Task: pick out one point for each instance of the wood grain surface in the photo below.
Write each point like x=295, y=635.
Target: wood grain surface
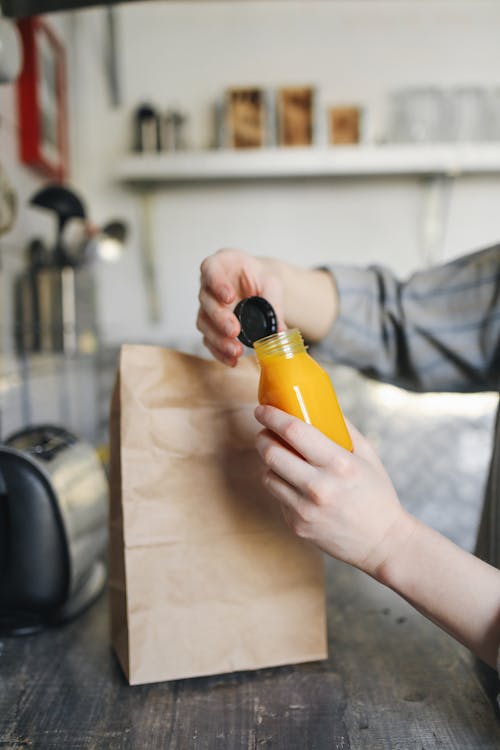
x=393, y=681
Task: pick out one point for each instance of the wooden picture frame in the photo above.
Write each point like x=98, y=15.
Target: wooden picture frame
x=246, y=117
x=344, y=125
x=42, y=100
x=296, y=119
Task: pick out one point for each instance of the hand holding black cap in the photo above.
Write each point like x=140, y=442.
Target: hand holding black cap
x=257, y=319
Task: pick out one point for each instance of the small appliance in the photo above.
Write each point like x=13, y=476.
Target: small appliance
x=53, y=528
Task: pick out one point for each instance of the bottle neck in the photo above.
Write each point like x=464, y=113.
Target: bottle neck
x=283, y=344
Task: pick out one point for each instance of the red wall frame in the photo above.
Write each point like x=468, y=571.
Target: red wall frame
x=42, y=100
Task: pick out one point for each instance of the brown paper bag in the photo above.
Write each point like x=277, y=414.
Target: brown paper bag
x=205, y=577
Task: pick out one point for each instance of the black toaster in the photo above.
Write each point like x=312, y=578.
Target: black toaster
x=53, y=528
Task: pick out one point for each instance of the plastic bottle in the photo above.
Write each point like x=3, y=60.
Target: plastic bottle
x=290, y=378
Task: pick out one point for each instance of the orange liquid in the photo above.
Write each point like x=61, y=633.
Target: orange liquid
x=298, y=385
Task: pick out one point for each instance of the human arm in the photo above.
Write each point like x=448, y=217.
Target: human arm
x=345, y=504
x=303, y=298
x=437, y=330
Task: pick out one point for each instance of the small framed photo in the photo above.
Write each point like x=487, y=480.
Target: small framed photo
x=42, y=100
x=296, y=116
x=246, y=118
x=344, y=125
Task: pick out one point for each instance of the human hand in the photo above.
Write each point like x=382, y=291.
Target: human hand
x=343, y=502
x=226, y=277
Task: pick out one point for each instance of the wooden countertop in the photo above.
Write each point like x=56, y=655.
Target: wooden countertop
x=393, y=681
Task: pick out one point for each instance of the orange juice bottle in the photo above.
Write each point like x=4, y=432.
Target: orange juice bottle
x=290, y=378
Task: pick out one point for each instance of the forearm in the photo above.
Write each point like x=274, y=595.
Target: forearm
x=437, y=330
x=310, y=298
x=451, y=587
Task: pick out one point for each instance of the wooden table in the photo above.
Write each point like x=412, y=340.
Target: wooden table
x=393, y=682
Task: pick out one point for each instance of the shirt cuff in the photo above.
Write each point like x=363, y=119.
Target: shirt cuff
x=352, y=339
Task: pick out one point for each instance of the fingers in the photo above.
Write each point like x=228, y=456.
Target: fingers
x=293, y=505
x=214, y=279
x=230, y=347
x=216, y=320
x=224, y=349
x=285, y=463
x=226, y=359
x=219, y=327
x=226, y=277
x=315, y=447
x=220, y=317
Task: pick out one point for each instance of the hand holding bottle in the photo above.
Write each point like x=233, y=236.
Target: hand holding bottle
x=343, y=502
x=227, y=277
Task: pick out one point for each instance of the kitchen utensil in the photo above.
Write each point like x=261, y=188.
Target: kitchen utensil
x=56, y=310
x=147, y=129
x=66, y=204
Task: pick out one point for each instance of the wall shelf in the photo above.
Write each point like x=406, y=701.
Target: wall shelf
x=340, y=161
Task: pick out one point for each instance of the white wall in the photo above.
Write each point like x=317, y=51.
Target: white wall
x=185, y=54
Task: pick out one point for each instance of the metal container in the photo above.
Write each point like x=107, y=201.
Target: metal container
x=56, y=310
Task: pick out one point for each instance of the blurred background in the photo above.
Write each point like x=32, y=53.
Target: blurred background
x=315, y=131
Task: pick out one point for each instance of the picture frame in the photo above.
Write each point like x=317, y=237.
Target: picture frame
x=246, y=117
x=344, y=125
x=42, y=100
x=296, y=116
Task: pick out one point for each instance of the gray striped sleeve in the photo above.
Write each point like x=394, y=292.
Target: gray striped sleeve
x=438, y=330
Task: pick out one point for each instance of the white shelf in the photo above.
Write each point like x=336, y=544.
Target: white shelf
x=339, y=161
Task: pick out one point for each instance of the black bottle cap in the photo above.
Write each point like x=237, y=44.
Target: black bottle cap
x=257, y=319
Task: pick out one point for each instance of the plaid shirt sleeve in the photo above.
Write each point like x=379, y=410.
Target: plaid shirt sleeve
x=438, y=330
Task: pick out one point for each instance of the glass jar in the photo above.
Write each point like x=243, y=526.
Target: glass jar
x=293, y=381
